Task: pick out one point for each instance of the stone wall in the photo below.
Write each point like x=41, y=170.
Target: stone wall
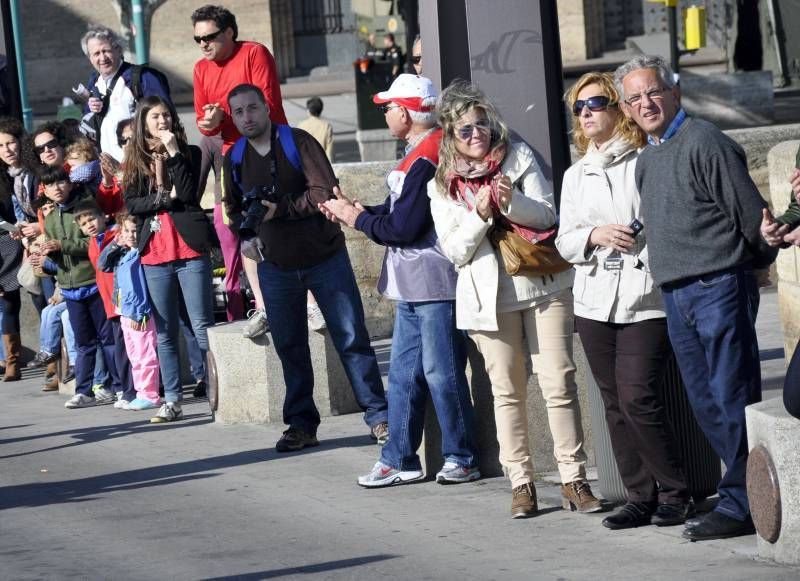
x=781, y=163
x=581, y=29
x=53, y=29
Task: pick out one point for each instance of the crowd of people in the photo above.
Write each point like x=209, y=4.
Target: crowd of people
x=657, y=247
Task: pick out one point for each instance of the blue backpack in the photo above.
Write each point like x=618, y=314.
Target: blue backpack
x=286, y=140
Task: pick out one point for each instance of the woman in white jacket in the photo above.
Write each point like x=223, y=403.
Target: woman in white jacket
x=618, y=312
x=485, y=178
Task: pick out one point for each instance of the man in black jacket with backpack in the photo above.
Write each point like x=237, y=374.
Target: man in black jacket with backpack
x=115, y=88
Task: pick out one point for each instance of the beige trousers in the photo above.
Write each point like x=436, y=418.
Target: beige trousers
x=548, y=329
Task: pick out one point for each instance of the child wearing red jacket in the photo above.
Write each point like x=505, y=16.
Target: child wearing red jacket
x=92, y=222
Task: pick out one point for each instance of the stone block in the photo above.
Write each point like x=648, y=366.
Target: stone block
x=333, y=393
x=237, y=371
x=376, y=145
x=773, y=480
x=789, y=308
x=737, y=99
x=541, y=441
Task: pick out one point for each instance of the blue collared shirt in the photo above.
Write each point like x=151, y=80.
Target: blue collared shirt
x=671, y=130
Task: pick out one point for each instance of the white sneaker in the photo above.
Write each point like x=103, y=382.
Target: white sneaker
x=383, y=475
x=103, y=395
x=169, y=412
x=79, y=401
x=121, y=404
x=256, y=324
x=316, y=322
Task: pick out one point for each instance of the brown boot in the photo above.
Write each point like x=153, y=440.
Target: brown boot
x=523, y=501
x=13, y=346
x=577, y=495
x=51, y=377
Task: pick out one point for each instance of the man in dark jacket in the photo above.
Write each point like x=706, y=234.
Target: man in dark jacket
x=702, y=213
x=297, y=250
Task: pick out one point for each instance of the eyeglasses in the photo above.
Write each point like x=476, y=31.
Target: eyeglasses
x=208, y=37
x=416, y=59
x=40, y=149
x=465, y=131
x=387, y=108
x=123, y=141
x=598, y=103
x=652, y=95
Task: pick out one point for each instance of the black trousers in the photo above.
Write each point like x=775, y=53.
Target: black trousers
x=628, y=362
x=791, y=385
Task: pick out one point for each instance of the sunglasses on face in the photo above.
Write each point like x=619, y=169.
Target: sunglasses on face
x=465, y=131
x=387, y=108
x=416, y=59
x=208, y=37
x=123, y=141
x=40, y=149
x=598, y=103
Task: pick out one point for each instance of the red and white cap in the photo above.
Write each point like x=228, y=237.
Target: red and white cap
x=410, y=91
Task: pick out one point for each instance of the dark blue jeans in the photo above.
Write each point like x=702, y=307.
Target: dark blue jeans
x=791, y=385
x=334, y=286
x=711, y=321
x=92, y=330
x=166, y=284
x=428, y=355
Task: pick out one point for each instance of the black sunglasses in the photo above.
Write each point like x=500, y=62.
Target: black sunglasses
x=598, y=103
x=416, y=59
x=40, y=149
x=466, y=131
x=208, y=37
x=123, y=141
x=387, y=108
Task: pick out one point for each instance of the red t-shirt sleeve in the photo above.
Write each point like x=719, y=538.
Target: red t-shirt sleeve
x=265, y=75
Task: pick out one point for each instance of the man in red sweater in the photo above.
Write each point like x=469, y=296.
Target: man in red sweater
x=226, y=63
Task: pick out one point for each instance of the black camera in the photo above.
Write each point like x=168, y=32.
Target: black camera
x=255, y=210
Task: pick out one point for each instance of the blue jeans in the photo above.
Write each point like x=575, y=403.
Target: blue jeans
x=193, y=279
x=428, y=355
x=711, y=321
x=93, y=334
x=334, y=286
x=50, y=329
x=196, y=357
x=69, y=337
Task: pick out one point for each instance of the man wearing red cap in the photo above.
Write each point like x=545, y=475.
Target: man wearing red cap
x=428, y=352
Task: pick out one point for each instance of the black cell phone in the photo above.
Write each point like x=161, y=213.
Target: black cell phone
x=636, y=226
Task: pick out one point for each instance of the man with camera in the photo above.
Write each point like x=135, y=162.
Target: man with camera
x=274, y=178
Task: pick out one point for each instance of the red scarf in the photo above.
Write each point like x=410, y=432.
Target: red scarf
x=469, y=176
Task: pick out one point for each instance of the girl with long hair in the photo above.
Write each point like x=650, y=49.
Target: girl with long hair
x=160, y=185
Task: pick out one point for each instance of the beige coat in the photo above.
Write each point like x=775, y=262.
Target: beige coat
x=463, y=238
x=320, y=130
x=591, y=196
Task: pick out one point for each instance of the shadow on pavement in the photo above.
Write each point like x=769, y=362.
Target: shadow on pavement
x=305, y=569
x=84, y=489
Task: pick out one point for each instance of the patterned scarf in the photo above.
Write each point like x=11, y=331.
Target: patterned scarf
x=22, y=190
x=469, y=176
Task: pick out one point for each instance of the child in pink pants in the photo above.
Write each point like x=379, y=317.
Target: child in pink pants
x=130, y=298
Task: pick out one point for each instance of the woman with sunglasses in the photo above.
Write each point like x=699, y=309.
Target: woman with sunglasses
x=18, y=187
x=485, y=179
x=619, y=314
x=174, y=238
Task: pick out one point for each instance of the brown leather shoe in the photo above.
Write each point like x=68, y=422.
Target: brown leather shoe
x=13, y=346
x=523, y=501
x=51, y=383
x=577, y=495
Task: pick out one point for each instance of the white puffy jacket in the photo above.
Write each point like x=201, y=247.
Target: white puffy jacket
x=463, y=239
x=595, y=193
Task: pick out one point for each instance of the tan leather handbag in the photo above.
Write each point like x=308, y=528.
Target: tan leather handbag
x=524, y=258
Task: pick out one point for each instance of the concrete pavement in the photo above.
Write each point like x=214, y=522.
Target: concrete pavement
x=100, y=493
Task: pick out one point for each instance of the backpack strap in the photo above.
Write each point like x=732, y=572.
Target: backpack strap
x=237, y=155
x=289, y=148
x=136, y=81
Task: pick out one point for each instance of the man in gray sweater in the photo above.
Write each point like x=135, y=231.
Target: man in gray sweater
x=702, y=214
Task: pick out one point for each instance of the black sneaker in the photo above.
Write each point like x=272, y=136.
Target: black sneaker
x=668, y=515
x=41, y=359
x=199, y=389
x=295, y=439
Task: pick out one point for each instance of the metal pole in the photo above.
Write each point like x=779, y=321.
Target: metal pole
x=141, y=34
x=16, y=24
x=674, y=53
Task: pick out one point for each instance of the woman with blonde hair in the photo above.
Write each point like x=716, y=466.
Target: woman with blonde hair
x=619, y=314
x=486, y=178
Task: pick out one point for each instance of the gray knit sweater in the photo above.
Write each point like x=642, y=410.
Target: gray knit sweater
x=700, y=209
